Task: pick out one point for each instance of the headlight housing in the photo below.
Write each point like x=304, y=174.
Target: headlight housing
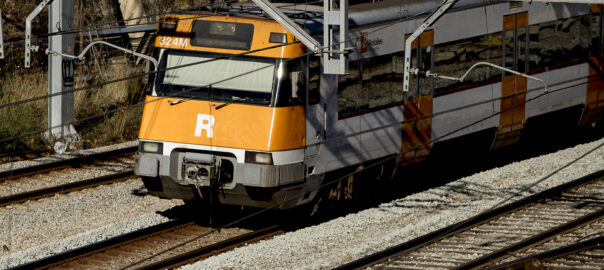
x=151, y=147
x=259, y=158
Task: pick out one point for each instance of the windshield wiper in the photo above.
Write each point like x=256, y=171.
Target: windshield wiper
x=244, y=99
x=222, y=105
x=177, y=102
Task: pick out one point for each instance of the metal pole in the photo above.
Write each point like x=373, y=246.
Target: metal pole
x=1, y=40
x=60, y=71
x=335, y=60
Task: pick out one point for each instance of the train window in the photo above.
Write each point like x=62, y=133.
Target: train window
x=314, y=79
x=542, y=45
x=559, y=43
x=515, y=42
x=413, y=88
x=206, y=75
x=596, y=31
x=508, y=49
x=425, y=63
x=372, y=84
x=294, y=74
x=573, y=39
x=585, y=40
x=349, y=90
x=225, y=35
x=290, y=88
x=277, y=38
x=595, y=27
x=455, y=58
x=378, y=82
x=522, y=40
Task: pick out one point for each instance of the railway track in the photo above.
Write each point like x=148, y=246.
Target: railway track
x=558, y=217
x=66, y=163
x=588, y=254
x=162, y=246
x=65, y=188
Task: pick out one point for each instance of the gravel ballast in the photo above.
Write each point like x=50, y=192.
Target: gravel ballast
x=40, y=228
x=66, y=175
x=37, y=229
x=356, y=235
x=70, y=154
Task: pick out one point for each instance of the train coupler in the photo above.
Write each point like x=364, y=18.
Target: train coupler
x=201, y=172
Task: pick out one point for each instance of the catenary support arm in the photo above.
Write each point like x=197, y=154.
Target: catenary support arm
x=28, y=47
x=290, y=25
x=408, y=43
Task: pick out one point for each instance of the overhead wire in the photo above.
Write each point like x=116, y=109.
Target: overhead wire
x=96, y=28
x=181, y=66
x=28, y=100
x=186, y=65
x=329, y=139
x=158, y=98
x=226, y=57
x=138, y=104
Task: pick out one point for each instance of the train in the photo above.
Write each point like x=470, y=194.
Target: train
x=242, y=112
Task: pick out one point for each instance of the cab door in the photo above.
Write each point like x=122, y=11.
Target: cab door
x=594, y=98
x=315, y=117
x=513, y=87
x=417, y=112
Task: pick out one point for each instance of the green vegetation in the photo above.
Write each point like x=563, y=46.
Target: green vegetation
x=101, y=65
x=20, y=119
x=97, y=131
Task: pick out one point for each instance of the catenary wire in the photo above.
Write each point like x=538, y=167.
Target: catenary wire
x=416, y=147
x=181, y=66
x=332, y=138
x=340, y=137
x=137, y=76
x=326, y=140
x=96, y=28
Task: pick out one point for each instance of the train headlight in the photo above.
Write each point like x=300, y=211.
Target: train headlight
x=258, y=157
x=151, y=147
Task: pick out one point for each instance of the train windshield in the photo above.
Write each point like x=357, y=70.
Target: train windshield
x=216, y=77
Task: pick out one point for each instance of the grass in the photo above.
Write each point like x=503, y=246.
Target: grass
x=17, y=83
x=107, y=129
x=23, y=118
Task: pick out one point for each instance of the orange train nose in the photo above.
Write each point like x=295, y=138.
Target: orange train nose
x=235, y=126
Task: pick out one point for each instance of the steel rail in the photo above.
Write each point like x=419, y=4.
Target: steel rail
x=59, y=258
x=139, y=235
x=217, y=248
x=419, y=242
x=595, y=242
x=488, y=259
x=65, y=188
x=66, y=163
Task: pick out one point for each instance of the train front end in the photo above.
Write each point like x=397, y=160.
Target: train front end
x=222, y=116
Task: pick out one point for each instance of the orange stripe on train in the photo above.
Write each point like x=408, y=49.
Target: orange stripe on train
x=235, y=125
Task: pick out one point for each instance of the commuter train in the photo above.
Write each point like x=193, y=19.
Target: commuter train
x=242, y=110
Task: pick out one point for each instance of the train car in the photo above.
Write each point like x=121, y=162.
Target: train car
x=242, y=110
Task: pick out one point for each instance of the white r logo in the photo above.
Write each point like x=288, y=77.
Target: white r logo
x=204, y=121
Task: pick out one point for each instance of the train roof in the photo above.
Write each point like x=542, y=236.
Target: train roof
x=311, y=15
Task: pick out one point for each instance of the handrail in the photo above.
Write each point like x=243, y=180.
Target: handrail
x=461, y=79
